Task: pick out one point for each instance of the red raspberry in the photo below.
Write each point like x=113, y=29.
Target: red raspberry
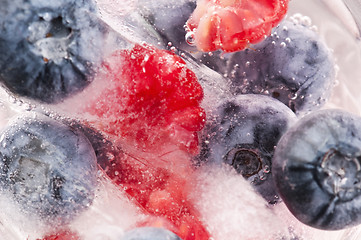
x=231, y=25
x=152, y=99
x=164, y=194
x=62, y=235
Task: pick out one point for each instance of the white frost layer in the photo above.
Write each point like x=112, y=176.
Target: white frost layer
x=232, y=210
x=110, y=215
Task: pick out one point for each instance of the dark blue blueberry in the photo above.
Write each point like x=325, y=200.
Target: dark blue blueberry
x=293, y=65
x=243, y=133
x=47, y=167
x=109, y=155
x=169, y=19
x=49, y=49
x=150, y=233
x=317, y=169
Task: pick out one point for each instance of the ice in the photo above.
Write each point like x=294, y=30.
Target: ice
x=345, y=45
x=110, y=215
x=215, y=86
x=232, y=210
x=123, y=17
x=227, y=204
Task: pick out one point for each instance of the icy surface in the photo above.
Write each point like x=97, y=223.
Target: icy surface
x=346, y=47
x=228, y=205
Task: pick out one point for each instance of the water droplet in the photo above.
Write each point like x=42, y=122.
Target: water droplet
x=283, y=44
x=292, y=96
x=110, y=156
x=306, y=21
x=190, y=38
x=262, y=177
x=314, y=28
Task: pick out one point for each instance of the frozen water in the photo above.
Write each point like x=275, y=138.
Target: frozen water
x=123, y=17
x=232, y=210
x=111, y=214
x=228, y=205
x=215, y=86
x=341, y=35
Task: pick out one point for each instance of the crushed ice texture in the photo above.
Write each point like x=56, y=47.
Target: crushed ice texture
x=227, y=203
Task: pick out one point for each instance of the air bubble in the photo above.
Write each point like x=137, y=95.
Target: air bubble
x=110, y=156
x=314, y=28
x=190, y=40
x=306, y=21
x=292, y=96
x=266, y=169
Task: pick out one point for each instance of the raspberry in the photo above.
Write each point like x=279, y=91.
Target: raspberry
x=62, y=235
x=164, y=194
x=152, y=99
x=231, y=25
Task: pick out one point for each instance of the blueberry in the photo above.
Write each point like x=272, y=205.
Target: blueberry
x=47, y=167
x=317, y=169
x=49, y=51
x=109, y=155
x=293, y=65
x=169, y=19
x=150, y=233
x=243, y=133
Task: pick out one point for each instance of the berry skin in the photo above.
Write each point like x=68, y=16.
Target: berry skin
x=231, y=25
x=292, y=65
x=152, y=100
x=48, y=168
x=49, y=51
x=62, y=235
x=162, y=192
x=316, y=168
x=108, y=155
x=150, y=233
x=243, y=133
